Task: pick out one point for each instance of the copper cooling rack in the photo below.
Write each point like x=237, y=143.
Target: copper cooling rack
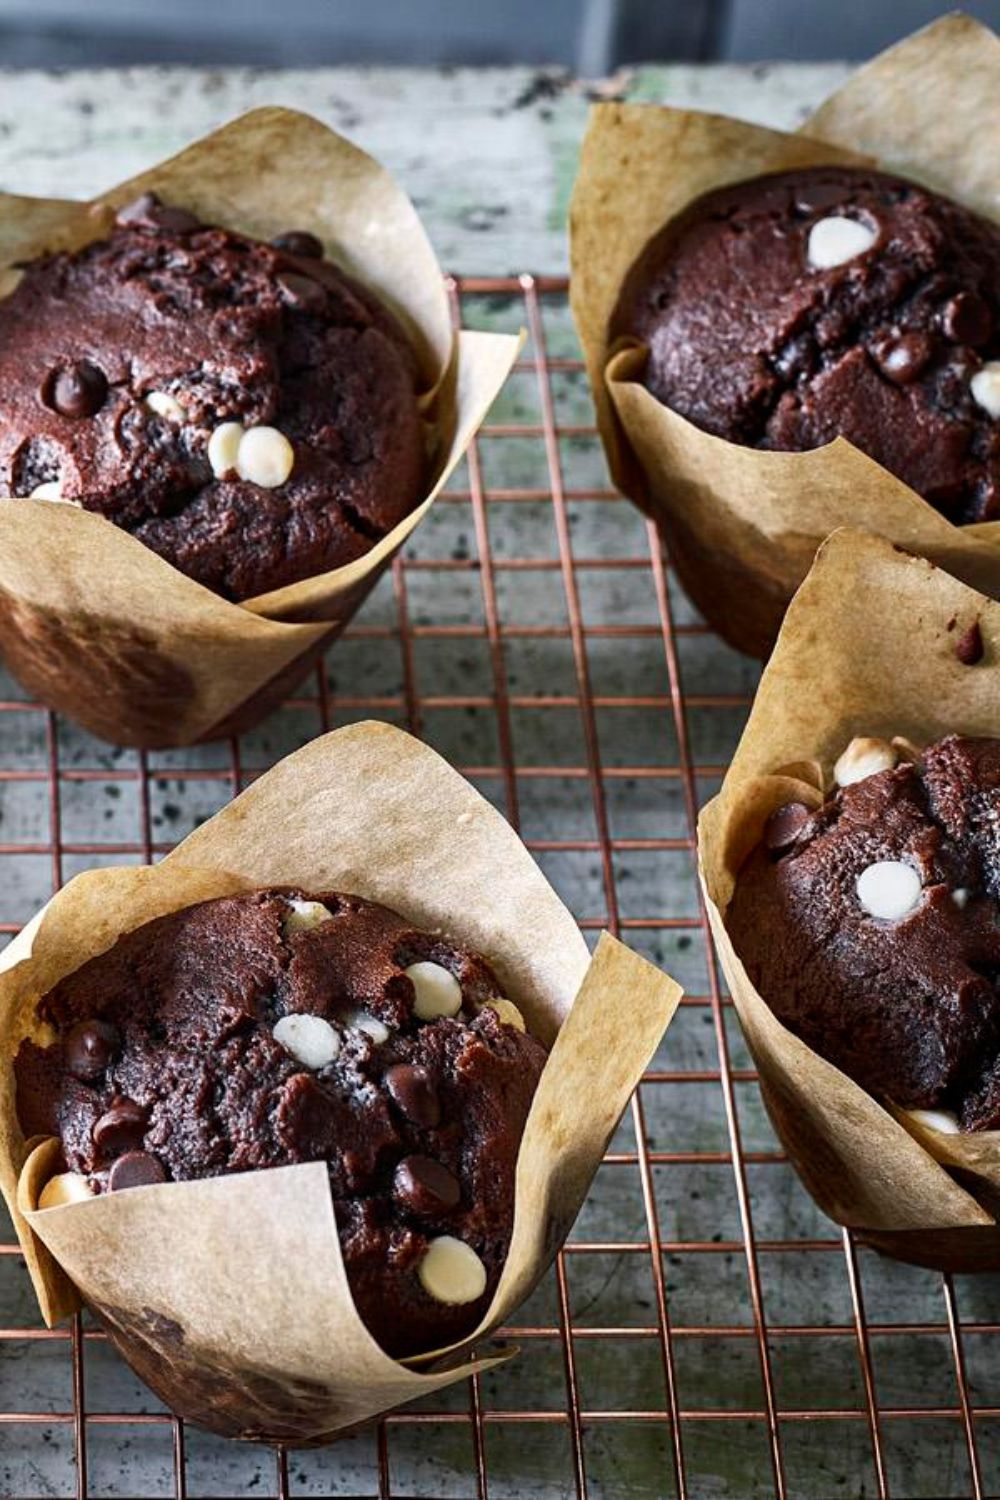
x=706, y=1332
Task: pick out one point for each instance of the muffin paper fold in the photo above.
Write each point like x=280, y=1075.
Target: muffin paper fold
x=742, y=524
x=867, y=648
x=228, y=1295
x=98, y=626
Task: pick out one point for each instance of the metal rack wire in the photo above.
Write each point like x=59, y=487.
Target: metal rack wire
x=898, y=1402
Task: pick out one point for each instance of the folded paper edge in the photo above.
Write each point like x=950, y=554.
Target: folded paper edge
x=626, y=470
x=837, y=553
x=290, y=637
x=611, y=963
x=504, y=349
x=610, y=960
x=619, y=375
x=202, y=872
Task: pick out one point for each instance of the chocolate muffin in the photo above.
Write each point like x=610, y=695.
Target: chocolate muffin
x=786, y=311
x=869, y=926
x=245, y=410
x=277, y=1027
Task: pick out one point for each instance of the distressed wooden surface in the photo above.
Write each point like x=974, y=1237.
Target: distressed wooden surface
x=489, y=158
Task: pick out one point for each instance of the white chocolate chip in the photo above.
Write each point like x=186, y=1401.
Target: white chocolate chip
x=50, y=491
x=438, y=992
x=507, y=1011
x=165, y=406
x=310, y=1040
x=451, y=1271
x=863, y=757
x=985, y=387
x=360, y=1020
x=960, y=896
x=889, y=889
x=834, y=241
x=65, y=1187
x=265, y=457
x=941, y=1120
x=304, y=915
x=224, y=447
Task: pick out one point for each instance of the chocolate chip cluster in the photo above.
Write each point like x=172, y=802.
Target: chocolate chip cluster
x=789, y=310
x=243, y=408
x=867, y=922
x=285, y=1027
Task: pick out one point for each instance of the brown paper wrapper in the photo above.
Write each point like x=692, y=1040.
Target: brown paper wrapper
x=743, y=525
x=98, y=626
x=229, y=1295
x=841, y=669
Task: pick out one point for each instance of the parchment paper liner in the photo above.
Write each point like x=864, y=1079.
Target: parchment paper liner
x=229, y=1296
x=98, y=626
x=743, y=525
x=865, y=649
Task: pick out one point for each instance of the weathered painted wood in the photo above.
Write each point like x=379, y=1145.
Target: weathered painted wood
x=488, y=156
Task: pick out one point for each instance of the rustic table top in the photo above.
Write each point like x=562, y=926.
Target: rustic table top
x=489, y=159
x=487, y=156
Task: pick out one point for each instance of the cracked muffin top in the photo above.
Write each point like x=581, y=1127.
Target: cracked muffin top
x=245, y=410
x=786, y=311
x=278, y=1027
x=870, y=926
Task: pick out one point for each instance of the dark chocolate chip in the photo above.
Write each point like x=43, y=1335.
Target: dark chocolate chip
x=784, y=825
x=120, y=1129
x=302, y=292
x=902, y=357
x=424, y=1186
x=299, y=242
x=147, y=212
x=90, y=1047
x=77, y=390
x=307, y=1118
x=414, y=1095
x=966, y=319
x=135, y=1169
x=969, y=646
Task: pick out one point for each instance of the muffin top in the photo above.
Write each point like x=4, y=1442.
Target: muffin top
x=245, y=410
x=278, y=1027
x=870, y=925
x=786, y=311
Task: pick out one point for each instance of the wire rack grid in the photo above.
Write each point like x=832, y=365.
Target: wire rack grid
x=706, y=1331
